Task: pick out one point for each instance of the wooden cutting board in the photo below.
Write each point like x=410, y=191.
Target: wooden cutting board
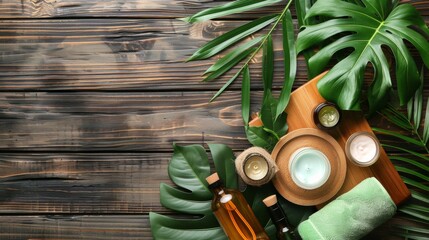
x=300, y=115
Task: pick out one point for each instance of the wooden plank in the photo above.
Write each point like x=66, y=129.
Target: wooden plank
x=110, y=183
x=96, y=121
x=125, y=54
x=121, y=121
x=83, y=183
x=129, y=8
x=113, y=8
x=106, y=227
x=103, y=227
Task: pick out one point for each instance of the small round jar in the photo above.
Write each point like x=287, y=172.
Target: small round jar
x=362, y=149
x=309, y=168
x=326, y=115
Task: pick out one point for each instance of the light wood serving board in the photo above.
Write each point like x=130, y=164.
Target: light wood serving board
x=300, y=115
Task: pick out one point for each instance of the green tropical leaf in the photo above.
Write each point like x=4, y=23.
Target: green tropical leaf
x=366, y=31
x=276, y=125
x=412, y=172
x=245, y=96
x=168, y=228
x=412, y=229
x=414, y=107
x=398, y=135
x=267, y=65
x=290, y=63
x=257, y=136
x=408, y=151
x=397, y=118
x=189, y=168
x=415, y=184
x=417, y=208
x=186, y=202
x=301, y=8
x=196, y=199
x=409, y=232
x=426, y=125
x=235, y=53
x=237, y=6
x=230, y=64
x=415, y=213
x=223, y=158
x=225, y=40
x=411, y=161
x=225, y=86
x=420, y=196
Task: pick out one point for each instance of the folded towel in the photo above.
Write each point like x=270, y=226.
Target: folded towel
x=352, y=215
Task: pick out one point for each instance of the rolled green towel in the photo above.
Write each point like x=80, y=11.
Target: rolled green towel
x=352, y=215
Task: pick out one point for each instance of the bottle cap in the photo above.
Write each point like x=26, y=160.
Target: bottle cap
x=270, y=201
x=212, y=178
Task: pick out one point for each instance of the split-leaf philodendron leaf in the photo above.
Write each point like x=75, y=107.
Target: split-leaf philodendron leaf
x=188, y=169
x=367, y=32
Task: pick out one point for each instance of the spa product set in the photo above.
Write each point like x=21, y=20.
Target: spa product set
x=313, y=169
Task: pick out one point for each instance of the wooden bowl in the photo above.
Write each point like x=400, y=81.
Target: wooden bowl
x=319, y=140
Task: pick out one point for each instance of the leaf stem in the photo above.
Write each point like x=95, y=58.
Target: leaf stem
x=269, y=33
x=266, y=36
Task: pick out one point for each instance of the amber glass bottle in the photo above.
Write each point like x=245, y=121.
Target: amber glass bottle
x=234, y=213
x=285, y=231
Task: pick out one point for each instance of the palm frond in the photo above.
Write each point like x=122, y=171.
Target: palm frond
x=226, y=40
x=414, y=107
x=237, y=6
x=400, y=136
x=267, y=65
x=289, y=62
x=411, y=161
x=420, y=196
x=396, y=117
x=415, y=211
x=225, y=86
x=419, y=155
x=416, y=184
x=412, y=172
x=245, y=95
x=237, y=53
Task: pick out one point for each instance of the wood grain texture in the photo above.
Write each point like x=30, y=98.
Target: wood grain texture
x=92, y=96
x=119, y=54
x=121, y=121
x=83, y=183
x=70, y=227
x=117, y=121
x=128, y=8
x=111, y=183
x=114, y=8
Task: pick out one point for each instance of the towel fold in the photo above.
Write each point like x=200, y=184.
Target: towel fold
x=352, y=215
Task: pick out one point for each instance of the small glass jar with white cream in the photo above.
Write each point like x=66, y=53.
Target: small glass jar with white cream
x=326, y=115
x=362, y=149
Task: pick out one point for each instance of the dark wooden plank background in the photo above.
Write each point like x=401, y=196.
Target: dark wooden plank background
x=92, y=96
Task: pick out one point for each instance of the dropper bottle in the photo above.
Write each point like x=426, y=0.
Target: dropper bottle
x=233, y=212
x=285, y=230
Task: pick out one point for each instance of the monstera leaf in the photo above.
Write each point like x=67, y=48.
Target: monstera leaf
x=188, y=168
x=366, y=33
